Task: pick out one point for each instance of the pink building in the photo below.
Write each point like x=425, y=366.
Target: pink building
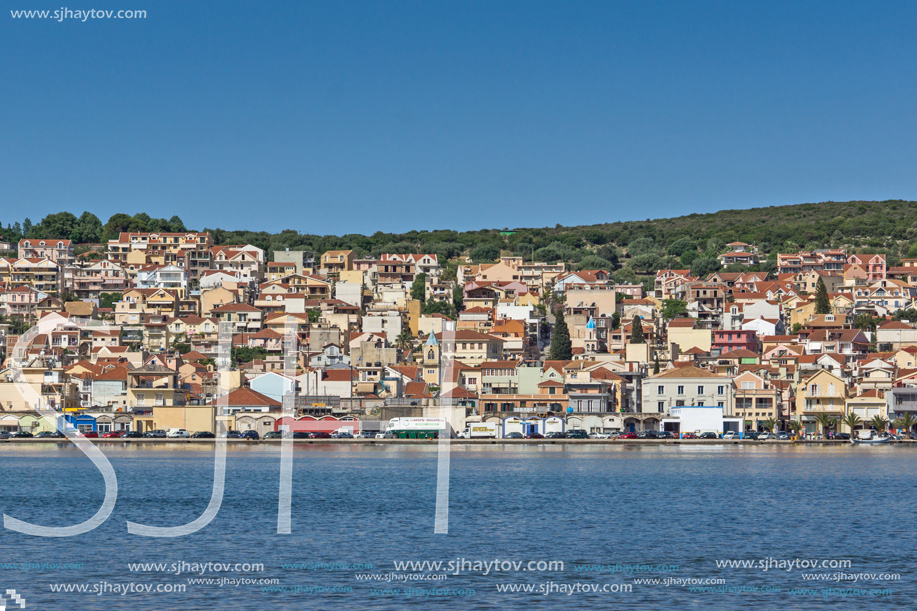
x=737, y=339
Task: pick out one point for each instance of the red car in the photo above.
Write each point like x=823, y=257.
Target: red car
x=628, y=436
x=534, y=436
x=689, y=436
x=113, y=434
x=321, y=435
x=91, y=434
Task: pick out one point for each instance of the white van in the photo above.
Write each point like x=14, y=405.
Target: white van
x=178, y=433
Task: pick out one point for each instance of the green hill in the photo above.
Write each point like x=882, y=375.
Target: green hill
x=633, y=249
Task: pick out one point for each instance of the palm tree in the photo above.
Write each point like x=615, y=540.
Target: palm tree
x=880, y=423
x=906, y=421
x=852, y=421
x=403, y=341
x=825, y=421
x=769, y=425
x=795, y=426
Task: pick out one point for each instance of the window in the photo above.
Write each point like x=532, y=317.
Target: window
x=719, y=404
x=700, y=390
x=721, y=390
x=660, y=390
x=660, y=406
x=681, y=390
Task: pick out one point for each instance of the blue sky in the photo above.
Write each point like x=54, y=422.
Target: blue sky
x=350, y=117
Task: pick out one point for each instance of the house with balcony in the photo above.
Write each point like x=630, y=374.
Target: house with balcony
x=154, y=386
x=874, y=265
x=820, y=393
x=738, y=339
x=756, y=401
x=188, y=250
x=89, y=279
x=169, y=277
x=40, y=274
x=333, y=262
x=23, y=301
x=246, y=262
x=686, y=386
x=243, y=317
x=883, y=297
x=56, y=250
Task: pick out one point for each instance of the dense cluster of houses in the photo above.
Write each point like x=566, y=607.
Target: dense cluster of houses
x=130, y=337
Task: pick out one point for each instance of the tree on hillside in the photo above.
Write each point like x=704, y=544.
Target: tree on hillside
x=673, y=308
x=458, y=298
x=822, y=303
x=561, y=346
x=88, y=229
x=485, y=253
x=636, y=334
x=418, y=289
x=705, y=265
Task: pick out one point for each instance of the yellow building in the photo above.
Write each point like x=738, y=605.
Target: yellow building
x=821, y=393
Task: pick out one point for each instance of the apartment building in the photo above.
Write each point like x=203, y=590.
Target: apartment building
x=58, y=251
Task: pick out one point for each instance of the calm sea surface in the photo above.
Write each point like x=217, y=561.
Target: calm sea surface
x=682, y=507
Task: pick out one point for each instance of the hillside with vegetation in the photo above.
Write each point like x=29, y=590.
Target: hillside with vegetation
x=632, y=249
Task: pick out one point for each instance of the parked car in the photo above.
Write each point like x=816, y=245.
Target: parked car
x=251, y=435
x=368, y=435
x=730, y=435
x=202, y=435
x=627, y=436
x=343, y=435
x=666, y=435
x=556, y=435
x=843, y=436
x=577, y=434
x=4, y=435
x=750, y=435
x=515, y=435
x=600, y=436
x=48, y=435
x=321, y=435
x=131, y=435
x=21, y=435
x=157, y=433
x=231, y=435
x=689, y=436
x=647, y=435
x=273, y=435
x=784, y=436
x=534, y=436
x=766, y=436
x=178, y=434
x=709, y=435
x=302, y=435
x=89, y=434
x=112, y=435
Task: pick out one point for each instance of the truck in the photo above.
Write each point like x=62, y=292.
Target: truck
x=479, y=430
x=417, y=428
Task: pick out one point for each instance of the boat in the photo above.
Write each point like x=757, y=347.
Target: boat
x=871, y=440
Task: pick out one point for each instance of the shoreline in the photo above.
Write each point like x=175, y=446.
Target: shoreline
x=605, y=442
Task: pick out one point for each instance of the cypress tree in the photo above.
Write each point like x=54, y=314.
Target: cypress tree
x=822, y=304
x=636, y=335
x=561, y=346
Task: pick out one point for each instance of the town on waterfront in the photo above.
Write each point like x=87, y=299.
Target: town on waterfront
x=176, y=334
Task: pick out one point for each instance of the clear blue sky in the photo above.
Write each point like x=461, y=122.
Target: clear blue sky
x=347, y=117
